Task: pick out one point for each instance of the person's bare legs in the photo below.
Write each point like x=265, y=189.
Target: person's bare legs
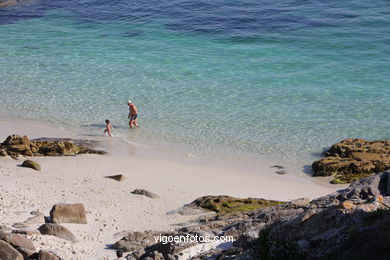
x=131, y=123
x=135, y=123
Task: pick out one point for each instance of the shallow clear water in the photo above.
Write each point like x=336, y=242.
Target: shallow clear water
x=247, y=80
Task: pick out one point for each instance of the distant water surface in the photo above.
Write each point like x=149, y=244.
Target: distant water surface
x=245, y=80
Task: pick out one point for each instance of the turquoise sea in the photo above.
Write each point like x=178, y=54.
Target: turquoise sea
x=247, y=80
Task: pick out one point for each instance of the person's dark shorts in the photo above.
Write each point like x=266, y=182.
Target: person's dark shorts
x=134, y=117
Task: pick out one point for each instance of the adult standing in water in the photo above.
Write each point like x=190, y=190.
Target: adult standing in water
x=133, y=114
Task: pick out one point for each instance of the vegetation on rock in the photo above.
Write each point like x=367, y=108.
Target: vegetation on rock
x=227, y=204
x=352, y=159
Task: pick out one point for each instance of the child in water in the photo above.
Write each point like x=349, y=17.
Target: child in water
x=108, y=128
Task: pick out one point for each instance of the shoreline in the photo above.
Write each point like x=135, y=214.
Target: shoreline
x=110, y=205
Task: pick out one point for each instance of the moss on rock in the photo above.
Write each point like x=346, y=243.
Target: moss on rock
x=348, y=178
x=353, y=159
x=226, y=204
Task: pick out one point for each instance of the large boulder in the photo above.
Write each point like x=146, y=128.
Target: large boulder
x=7, y=252
x=352, y=159
x=58, y=231
x=68, y=213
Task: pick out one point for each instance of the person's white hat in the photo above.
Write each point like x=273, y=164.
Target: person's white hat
x=129, y=102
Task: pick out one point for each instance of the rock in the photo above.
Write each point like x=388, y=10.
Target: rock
x=145, y=193
x=187, y=210
x=277, y=167
x=31, y=164
x=68, y=213
x=247, y=237
x=353, y=159
x=299, y=229
x=136, y=242
x=16, y=145
x=26, y=231
x=20, y=241
x=20, y=225
x=347, y=206
x=3, y=152
x=3, y=236
x=281, y=172
x=7, y=252
x=26, y=253
x=301, y=202
x=226, y=204
x=45, y=255
x=38, y=218
x=118, y=177
x=155, y=255
x=58, y=231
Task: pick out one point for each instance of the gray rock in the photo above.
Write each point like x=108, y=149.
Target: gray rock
x=31, y=164
x=68, y=213
x=145, y=193
x=188, y=210
x=58, y=231
x=301, y=202
x=281, y=172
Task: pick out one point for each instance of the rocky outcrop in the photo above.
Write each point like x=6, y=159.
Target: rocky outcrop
x=68, y=213
x=16, y=145
x=31, y=164
x=352, y=159
x=300, y=229
x=58, y=231
x=226, y=204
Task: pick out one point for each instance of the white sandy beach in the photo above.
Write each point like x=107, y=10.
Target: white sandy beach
x=111, y=208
